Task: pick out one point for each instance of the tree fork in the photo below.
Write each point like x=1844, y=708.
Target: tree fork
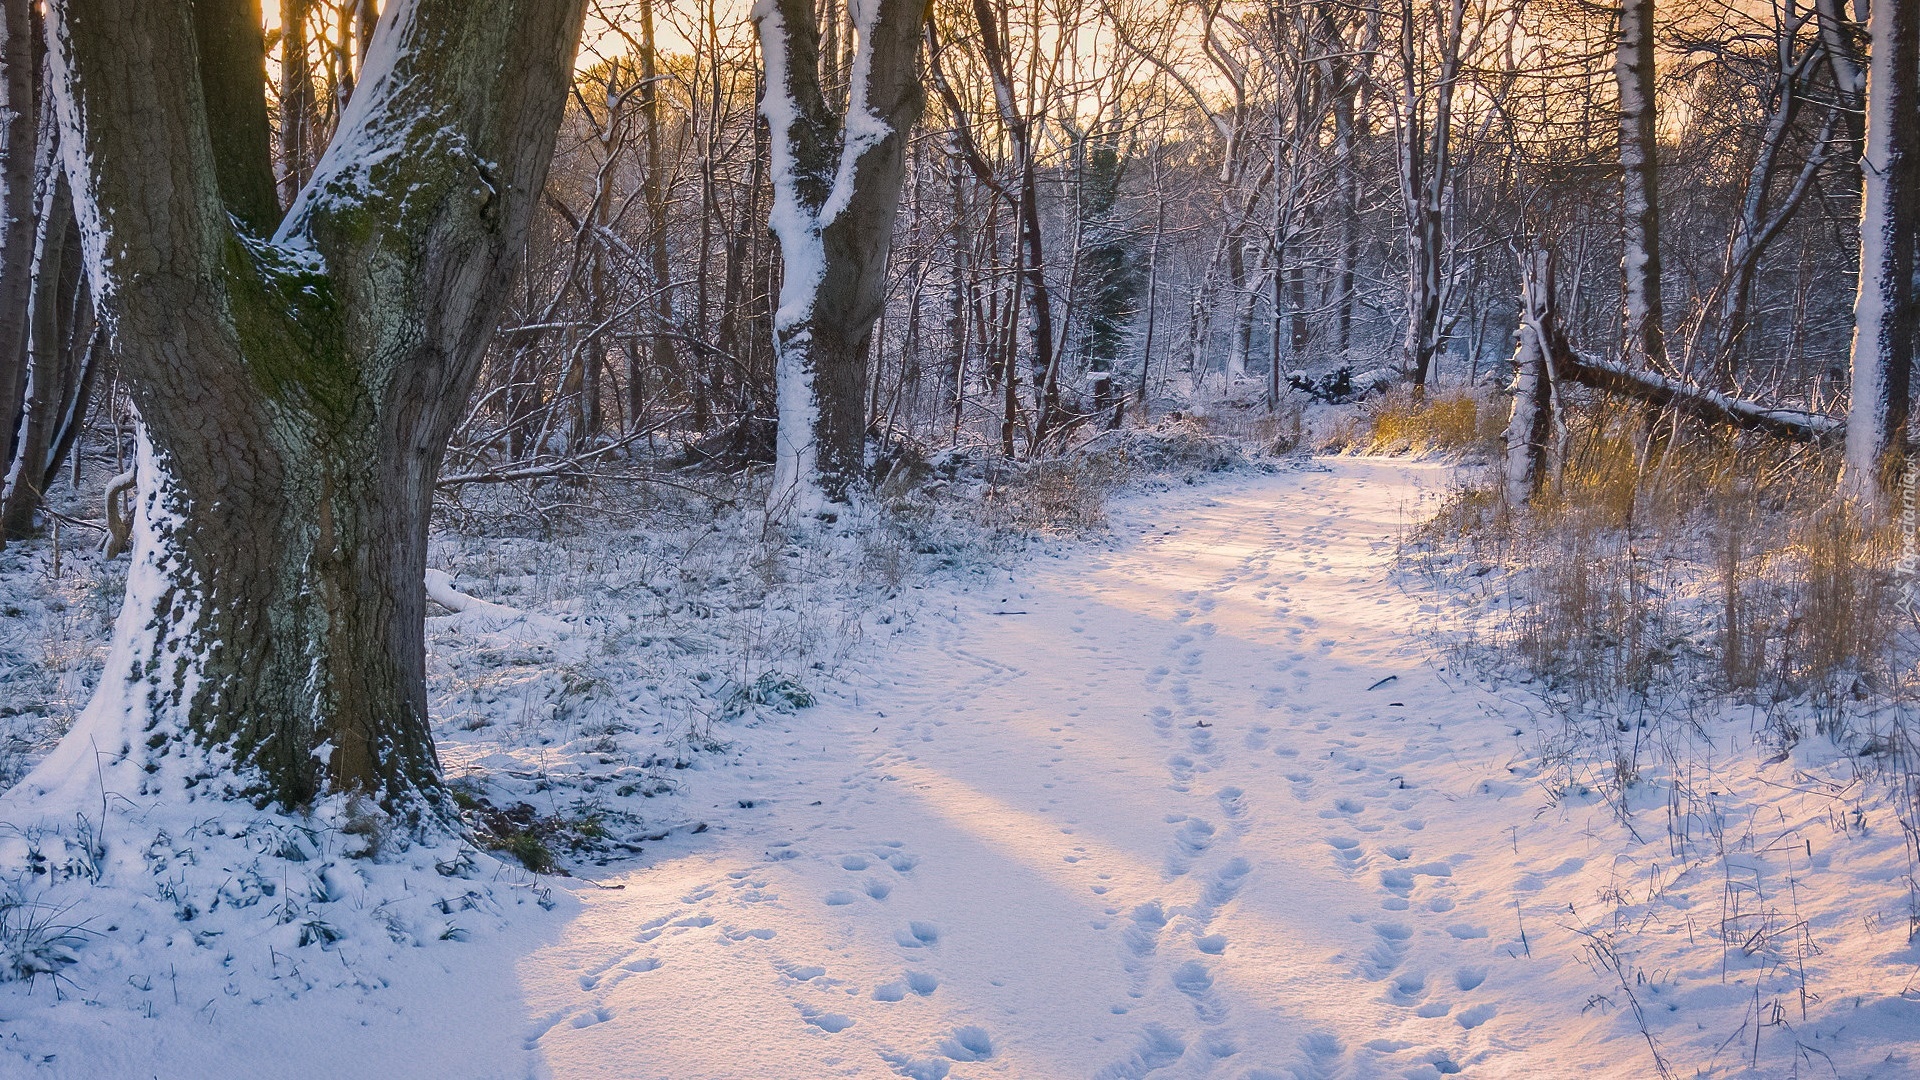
x=296, y=387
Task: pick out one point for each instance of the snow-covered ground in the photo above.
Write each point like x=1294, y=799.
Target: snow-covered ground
x=1201, y=798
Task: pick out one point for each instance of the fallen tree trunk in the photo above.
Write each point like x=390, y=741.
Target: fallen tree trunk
x=1661, y=391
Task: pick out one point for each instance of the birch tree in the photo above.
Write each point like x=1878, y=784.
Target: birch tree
x=1640, y=183
x=297, y=376
x=836, y=184
x=1884, y=316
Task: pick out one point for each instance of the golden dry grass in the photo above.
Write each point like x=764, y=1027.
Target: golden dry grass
x=1654, y=542
x=1439, y=422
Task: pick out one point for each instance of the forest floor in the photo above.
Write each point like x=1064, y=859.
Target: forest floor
x=1202, y=797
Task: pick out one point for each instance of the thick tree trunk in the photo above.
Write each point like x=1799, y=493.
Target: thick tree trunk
x=297, y=392
x=1640, y=183
x=836, y=189
x=1883, y=313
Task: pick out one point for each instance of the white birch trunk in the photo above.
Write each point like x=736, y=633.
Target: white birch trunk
x=1639, y=166
x=1883, y=315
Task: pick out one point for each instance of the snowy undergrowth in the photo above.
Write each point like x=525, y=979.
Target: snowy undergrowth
x=1761, y=805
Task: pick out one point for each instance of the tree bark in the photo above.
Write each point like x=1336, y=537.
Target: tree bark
x=837, y=183
x=297, y=392
x=1426, y=173
x=1883, y=313
x=1643, y=313
x=654, y=193
x=51, y=295
x=21, y=148
x=296, y=100
x=1530, y=425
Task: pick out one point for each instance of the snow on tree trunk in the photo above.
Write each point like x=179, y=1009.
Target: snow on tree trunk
x=836, y=192
x=1640, y=181
x=20, y=150
x=1240, y=339
x=49, y=298
x=297, y=391
x=1531, y=422
x=1883, y=314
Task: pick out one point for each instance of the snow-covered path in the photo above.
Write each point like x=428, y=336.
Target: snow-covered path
x=1194, y=804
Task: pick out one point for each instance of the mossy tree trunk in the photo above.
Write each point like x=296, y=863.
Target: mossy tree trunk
x=297, y=382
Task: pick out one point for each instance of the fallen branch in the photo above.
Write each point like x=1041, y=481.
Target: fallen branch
x=492, y=616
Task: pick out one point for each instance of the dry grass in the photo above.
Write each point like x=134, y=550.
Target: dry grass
x=1439, y=422
x=1058, y=497
x=1658, y=554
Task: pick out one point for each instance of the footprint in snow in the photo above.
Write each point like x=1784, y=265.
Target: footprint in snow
x=968, y=1044
x=1390, y=944
x=831, y=1023
x=1201, y=740
x=840, y=898
x=1473, y=1016
x=1233, y=803
x=1346, y=852
x=1406, y=988
x=592, y=1017
x=915, y=1068
x=1194, y=980
x=1194, y=837
x=1224, y=884
x=1158, y=1048
x=917, y=935
x=1322, y=1053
